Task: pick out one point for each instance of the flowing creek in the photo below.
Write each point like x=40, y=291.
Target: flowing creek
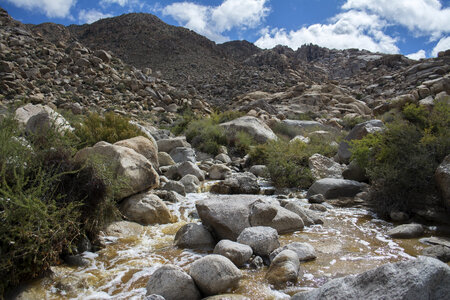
x=350, y=241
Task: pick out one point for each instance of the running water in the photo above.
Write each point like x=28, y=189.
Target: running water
x=350, y=241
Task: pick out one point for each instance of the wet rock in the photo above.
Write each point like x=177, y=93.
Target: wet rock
x=227, y=297
x=439, y=252
x=357, y=133
x=422, y=278
x=167, y=145
x=259, y=131
x=165, y=159
x=317, y=198
x=318, y=207
x=122, y=229
x=146, y=209
x=284, y=268
x=237, y=183
x=263, y=240
x=324, y=167
x=215, y=274
x=259, y=170
x=182, y=154
x=406, y=231
x=442, y=177
x=127, y=164
x=175, y=186
x=304, y=251
x=194, y=236
x=143, y=146
x=76, y=261
x=308, y=217
x=172, y=282
x=218, y=172
x=332, y=188
x=154, y=297
x=169, y=196
x=238, y=253
x=191, y=183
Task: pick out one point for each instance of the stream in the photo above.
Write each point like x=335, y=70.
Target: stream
x=350, y=241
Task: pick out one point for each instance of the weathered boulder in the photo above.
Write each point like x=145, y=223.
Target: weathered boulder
x=304, y=124
x=238, y=253
x=123, y=229
x=324, y=167
x=172, y=283
x=146, y=209
x=165, y=159
x=24, y=113
x=191, y=183
x=259, y=131
x=182, y=154
x=175, y=186
x=133, y=173
x=259, y=170
x=284, y=268
x=167, y=145
x=305, y=251
x=308, y=217
x=438, y=251
x=263, y=240
x=218, y=172
x=194, y=236
x=442, y=177
x=169, y=196
x=143, y=146
x=406, y=231
x=357, y=133
x=237, y=183
x=187, y=168
x=223, y=157
x=332, y=188
x=422, y=278
x=215, y=274
x=44, y=121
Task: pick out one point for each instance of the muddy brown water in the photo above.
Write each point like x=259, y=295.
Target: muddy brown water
x=350, y=241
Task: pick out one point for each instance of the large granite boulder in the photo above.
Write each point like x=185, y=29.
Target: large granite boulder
x=182, y=154
x=259, y=131
x=238, y=253
x=167, y=145
x=324, y=167
x=304, y=251
x=25, y=113
x=133, y=172
x=406, y=231
x=146, y=209
x=442, y=177
x=357, y=133
x=422, y=278
x=262, y=239
x=194, y=236
x=144, y=146
x=304, y=125
x=284, y=268
x=332, y=188
x=219, y=172
x=237, y=183
x=215, y=274
x=172, y=283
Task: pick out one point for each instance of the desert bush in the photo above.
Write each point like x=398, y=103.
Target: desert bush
x=110, y=128
x=401, y=160
x=205, y=135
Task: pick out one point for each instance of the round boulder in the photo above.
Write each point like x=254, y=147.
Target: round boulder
x=238, y=253
x=284, y=268
x=146, y=209
x=263, y=240
x=194, y=236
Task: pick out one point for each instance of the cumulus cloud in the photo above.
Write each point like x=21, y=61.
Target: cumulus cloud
x=213, y=21
x=418, y=55
x=352, y=29
x=91, y=15
x=442, y=45
x=51, y=8
x=423, y=17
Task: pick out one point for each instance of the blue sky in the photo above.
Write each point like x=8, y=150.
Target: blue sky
x=418, y=28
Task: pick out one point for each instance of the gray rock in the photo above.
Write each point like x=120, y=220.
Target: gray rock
x=304, y=124
x=442, y=177
x=218, y=172
x=238, y=253
x=332, y=188
x=308, y=217
x=284, y=268
x=187, y=168
x=438, y=251
x=305, y=251
x=146, y=209
x=169, y=196
x=237, y=183
x=223, y=158
x=354, y=172
x=317, y=198
x=256, y=263
x=227, y=297
x=406, y=231
x=324, y=167
x=144, y=146
x=191, y=183
x=259, y=170
x=318, y=207
x=194, y=236
x=263, y=240
x=357, y=133
x=182, y=154
x=215, y=274
x=259, y=131
x=175, y=186
x=76, y=261
x=422, y=278
x=154, y=297
x=167, y=145
x=172, y=283
x=123, y=229
x=165, y=159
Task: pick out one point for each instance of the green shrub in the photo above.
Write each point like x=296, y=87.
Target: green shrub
x=401, y=160
x=349, y=122
x=240, y=143
x=206, y=136
x=110, y=128
x=226, y=116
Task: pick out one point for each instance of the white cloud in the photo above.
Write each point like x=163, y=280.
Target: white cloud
x=51, y=8
x=352, y=29
x=90, y=16
x=423, y=17
x=442, y=45
x=212, y=22
x=418, y=55
x=109, y=2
